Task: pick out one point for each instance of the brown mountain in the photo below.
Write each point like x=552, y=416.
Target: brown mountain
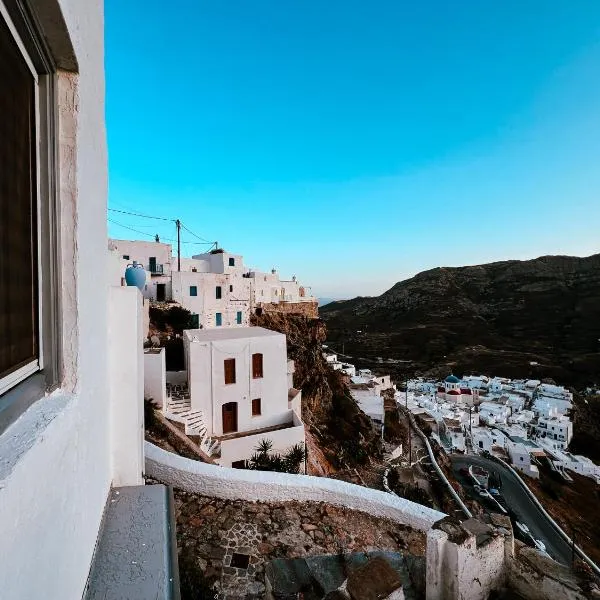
x=496, y=318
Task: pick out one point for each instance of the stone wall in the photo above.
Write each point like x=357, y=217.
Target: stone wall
x=238, y=484
x=308, y=309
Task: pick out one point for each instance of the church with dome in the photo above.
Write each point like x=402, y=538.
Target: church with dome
x=450, y=390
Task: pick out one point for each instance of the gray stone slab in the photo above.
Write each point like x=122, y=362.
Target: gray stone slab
x=136, y=556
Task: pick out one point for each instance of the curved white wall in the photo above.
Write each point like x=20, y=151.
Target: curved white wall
x=237, y=484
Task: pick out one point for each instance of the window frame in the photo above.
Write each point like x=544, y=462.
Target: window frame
x=31, y=385
x=218, y=292
x=195, y=288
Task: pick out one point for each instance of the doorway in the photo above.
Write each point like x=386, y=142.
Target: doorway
x=161, y=292
x=230, y=417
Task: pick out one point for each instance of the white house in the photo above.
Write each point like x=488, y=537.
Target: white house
x=238, y=382
x=546, y=406
x=221, y=296
x=493, y=413
x=558, y=429
x=520, y=452
x=156, y=259
x=71, y=379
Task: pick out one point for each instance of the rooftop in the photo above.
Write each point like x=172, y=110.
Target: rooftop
x=234, y=333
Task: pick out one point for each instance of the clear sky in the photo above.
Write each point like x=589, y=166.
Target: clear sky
x=356, y=143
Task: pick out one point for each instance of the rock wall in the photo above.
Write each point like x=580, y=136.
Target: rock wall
x=307, y=309
x=343, y=433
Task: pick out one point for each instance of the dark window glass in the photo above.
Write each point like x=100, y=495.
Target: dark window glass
x=18, y=210
x=256, y=407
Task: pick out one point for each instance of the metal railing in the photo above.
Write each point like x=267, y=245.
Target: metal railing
x=155, y=269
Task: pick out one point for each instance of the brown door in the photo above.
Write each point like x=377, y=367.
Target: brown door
x=230, y=417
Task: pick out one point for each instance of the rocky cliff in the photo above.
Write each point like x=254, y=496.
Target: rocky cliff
x=339, y=434
x=496, y=318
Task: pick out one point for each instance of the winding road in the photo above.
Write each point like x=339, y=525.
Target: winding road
x=522, y=506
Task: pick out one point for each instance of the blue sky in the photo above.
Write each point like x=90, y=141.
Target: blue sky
x=357, y=143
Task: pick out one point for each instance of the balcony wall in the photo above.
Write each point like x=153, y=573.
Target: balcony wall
x=242, y=448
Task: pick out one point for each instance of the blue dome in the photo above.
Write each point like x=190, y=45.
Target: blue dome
x=452, y=379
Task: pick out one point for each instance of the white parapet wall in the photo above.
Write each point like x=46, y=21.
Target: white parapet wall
x=155, y=376
x=238, y=484
x=242, y=447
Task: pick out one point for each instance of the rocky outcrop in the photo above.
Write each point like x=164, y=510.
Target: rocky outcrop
x=338, y=430
x=497, y=317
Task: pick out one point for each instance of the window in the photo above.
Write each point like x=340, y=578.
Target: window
x=126, y=256
x=218, y=319
x=29, y=317
x=238, y=464
x=230, y=288
x=229, y=366
x=521, y=458
x=193, y=290
x=238, y=318
x=231, y=261
x=218, y=292
x=256, y=407
x=257, y=366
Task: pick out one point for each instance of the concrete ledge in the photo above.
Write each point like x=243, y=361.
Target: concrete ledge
x=238, y=484
x=136, y=555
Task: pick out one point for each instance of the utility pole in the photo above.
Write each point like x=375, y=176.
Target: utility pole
x=178, y=223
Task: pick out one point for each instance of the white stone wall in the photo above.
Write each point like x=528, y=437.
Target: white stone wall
x=206, y=376
x=242, y=448
x=155, y=376
x=126, y=365
x=56, y=468
x=463, y=570
x=237, y=484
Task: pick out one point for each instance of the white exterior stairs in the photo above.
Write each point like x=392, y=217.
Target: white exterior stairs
x=181, y=411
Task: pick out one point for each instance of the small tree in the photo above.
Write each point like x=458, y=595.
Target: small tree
x=264, y=460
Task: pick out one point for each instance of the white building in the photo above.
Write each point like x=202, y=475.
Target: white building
x=156, y=259
x=493, y=413
x=239, y=393
x=545, y=406
x=71, y=391
x=214, y=287
x=558, y=429
x=520, y=451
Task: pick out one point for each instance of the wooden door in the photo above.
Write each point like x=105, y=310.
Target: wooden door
x=230, y=417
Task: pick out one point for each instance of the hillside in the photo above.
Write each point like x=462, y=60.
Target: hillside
x=495, y=318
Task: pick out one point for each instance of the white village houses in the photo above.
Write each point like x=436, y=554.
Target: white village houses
x=216, y=286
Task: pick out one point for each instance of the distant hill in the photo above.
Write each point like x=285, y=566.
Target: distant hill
x=496, y=317
x=324, y=301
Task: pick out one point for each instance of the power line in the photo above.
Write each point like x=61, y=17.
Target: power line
x=136, y=214
x=153, y=236
x=195, y=235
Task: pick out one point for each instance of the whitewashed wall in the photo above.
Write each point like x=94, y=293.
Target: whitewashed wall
x=207, y=379
x=155, y=375
x=237, y=484
x=242, y=448
x=55, y=466
x=126, y=367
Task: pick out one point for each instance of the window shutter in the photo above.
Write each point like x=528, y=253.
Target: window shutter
x=229, y=364
x=257, y=365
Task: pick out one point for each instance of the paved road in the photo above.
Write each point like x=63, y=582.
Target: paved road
x=522, y=506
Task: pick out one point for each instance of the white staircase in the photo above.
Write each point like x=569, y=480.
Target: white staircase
x=180, y=410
